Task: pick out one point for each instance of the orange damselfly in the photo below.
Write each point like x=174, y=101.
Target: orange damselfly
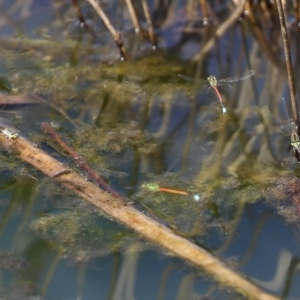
x=214, y=83
x=156, y=188
x=196, y=197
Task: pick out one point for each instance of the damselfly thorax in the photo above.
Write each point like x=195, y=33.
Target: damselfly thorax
x=214, y=83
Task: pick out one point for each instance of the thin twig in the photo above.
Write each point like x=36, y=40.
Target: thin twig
x=297, y=52
x=42, y=100
x=204, y=7
x=134, y=17
x=81, y=19
x=220, y=31
x=150, y=24
x=116, y=35
x=134, y=219
x=288, y=60
x=262, y=40
x=80, y=161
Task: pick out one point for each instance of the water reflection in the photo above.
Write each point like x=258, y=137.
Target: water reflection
x=133, y=121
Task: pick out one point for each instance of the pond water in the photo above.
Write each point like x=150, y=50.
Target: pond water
x=147, y=131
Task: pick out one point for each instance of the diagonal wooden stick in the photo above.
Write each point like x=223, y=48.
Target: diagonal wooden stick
x=288, y=60
x=128, y=215
x=81, y=162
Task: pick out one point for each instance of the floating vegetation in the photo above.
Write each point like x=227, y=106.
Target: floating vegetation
x=10, y=261
x=82, y=236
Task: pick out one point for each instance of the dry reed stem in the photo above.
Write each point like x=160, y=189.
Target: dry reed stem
x=151, y=32
x=116, y=35
x=288, y=61
x=262, y=41
x=220, y=31
x=82, y=19
x=128, y=215
x=204, y=7
x=133, y=16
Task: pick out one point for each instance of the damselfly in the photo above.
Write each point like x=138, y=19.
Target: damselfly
x=214, y=83
x=196, y=197
x=156, y=188
x=295, y=141
x=291, y=129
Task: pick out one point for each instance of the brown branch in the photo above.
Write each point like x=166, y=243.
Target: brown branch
x=136, y=23
x=151, y=32
x=133, y=16
x=80, y=161
x=82, y=19
x=262, y=40
x=128, y=215
x=289, y=67
x=116, y=35
x=205, y=9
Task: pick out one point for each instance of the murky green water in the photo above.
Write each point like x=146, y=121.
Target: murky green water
x=140, y=125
